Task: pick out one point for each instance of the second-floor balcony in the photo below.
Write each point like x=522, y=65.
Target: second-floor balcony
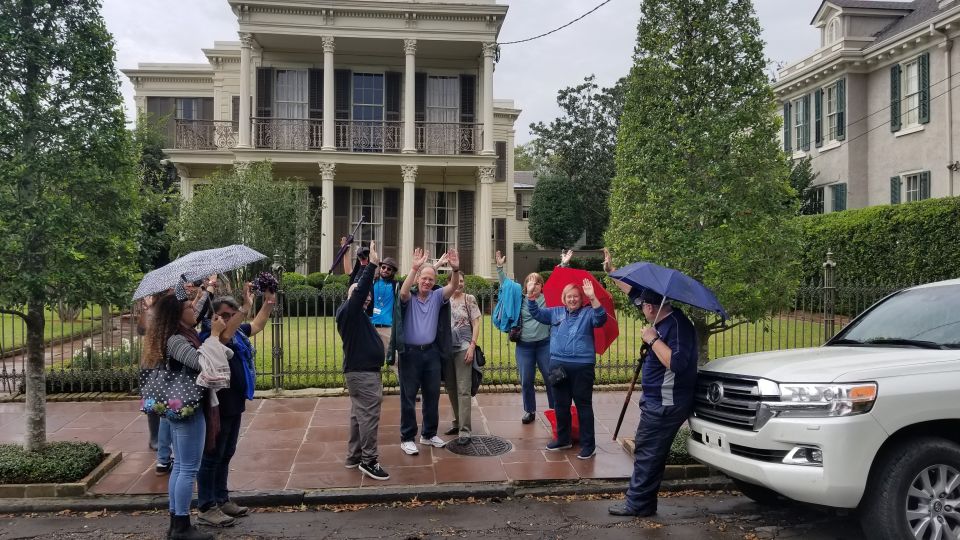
x=434, y=138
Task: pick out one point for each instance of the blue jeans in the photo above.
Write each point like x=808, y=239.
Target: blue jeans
x=578, y=388
x=164, y=442
x=215, y=466
x=655, y=433
x=419, y=370
x=532, y=356
x=188, y=438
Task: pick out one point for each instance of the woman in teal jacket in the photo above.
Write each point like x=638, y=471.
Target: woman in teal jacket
x=572, y=354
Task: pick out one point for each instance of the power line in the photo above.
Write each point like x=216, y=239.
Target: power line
x=605, y=2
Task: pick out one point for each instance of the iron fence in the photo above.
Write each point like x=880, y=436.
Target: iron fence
x=97, y=349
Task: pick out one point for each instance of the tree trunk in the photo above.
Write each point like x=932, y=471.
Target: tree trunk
x=36, y=381
x=703, y=338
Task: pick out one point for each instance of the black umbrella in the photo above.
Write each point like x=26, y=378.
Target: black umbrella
x=343, y=249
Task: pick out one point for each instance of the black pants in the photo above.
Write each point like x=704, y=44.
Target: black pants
x=215, y=466
x=576, y=388
x=655, y=433
x=419, y=370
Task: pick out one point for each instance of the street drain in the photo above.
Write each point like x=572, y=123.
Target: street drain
x=480, y=445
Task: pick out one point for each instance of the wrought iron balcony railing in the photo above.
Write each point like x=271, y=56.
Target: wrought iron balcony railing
x=449, y=138
x=369, y=136
x=287, y=133
x=205, y=135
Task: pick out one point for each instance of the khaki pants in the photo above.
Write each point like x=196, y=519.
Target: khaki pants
x=459, y=379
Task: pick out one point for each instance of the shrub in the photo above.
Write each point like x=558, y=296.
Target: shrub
x=524, y=246
x=342, y=279
x=316, y=280
x=301, y=301
x=57, y=462
x=292, y=280
x=914, y=242
x=678, y=450
x=89, y=359
x=480, y=287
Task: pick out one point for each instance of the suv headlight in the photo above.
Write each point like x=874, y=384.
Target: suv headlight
x=823, y=400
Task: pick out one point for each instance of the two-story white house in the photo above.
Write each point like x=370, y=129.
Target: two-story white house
x=875, y=106
x=385, y=108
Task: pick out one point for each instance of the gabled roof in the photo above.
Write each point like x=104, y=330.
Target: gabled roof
x=866, y=4
x=923, y=10
x=524, y=179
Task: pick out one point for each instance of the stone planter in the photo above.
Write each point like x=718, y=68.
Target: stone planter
x=70, y=489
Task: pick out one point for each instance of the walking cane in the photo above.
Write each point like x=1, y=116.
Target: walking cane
x=633, y=384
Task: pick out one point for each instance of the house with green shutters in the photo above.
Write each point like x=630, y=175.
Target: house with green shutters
x=875, y=106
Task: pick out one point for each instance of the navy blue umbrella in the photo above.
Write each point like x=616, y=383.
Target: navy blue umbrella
x=343, y=249
x=671, y=284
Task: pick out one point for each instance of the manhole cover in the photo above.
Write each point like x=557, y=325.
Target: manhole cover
x=480, y=445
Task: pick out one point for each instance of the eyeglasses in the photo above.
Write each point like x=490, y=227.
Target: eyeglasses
x=227, y=314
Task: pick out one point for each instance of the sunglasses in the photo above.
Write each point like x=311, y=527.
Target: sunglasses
x=387, y=267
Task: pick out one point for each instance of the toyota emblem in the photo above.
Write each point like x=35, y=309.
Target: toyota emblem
x=715, y=392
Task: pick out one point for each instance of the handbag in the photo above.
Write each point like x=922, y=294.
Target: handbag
x=556, y=376
x=479, y=358
x=514, y=334
x=170, y=394
x=476, y=377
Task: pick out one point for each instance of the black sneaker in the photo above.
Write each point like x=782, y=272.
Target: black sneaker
x=374, y=471
x=528, y=418
x=163, y=468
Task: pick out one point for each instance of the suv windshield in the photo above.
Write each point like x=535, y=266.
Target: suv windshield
x=928, y=317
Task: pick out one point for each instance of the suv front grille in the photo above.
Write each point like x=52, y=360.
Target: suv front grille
x=760, y=454
x=738, y=403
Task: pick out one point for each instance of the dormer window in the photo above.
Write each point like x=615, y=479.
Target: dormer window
x=833, y=30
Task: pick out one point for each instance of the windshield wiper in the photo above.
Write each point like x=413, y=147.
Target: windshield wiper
x=908, y=342
x=845, y=341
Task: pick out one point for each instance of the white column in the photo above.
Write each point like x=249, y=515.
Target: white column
x=483, y=248
x=406, y=223
x=409, y=103
x=327, y=171
x=329, y=104
x=489, y=50
x=246, y=43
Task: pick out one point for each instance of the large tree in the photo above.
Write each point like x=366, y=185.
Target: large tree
x=802, y=176
x=702, y=184
x=68, y=186
x=246, y=205
x=159, y=194
x=580, y=145
x=556, y=218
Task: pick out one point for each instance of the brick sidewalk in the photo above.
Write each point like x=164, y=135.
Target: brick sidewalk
x=300, y=443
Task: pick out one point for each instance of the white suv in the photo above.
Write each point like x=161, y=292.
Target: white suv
x=870, y=420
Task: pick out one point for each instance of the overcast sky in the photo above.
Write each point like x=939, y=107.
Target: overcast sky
x=529, y=73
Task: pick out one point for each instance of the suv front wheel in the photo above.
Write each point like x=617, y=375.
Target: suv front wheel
x=914, y=492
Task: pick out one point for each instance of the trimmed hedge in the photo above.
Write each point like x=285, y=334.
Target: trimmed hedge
x=57, y=462
x=898, y=244
x=293, y=280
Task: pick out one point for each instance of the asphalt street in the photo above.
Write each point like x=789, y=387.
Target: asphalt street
x=706, y=515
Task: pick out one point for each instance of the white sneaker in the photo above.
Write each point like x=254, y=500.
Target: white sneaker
x=409, y=448
x=433, y=441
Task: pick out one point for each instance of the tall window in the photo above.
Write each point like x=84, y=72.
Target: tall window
x=442, y=114
x=830, y=106
x=912, y=183
x=369, y=204
x=910, y=104
x=441, y=221
x=368, y=96
x=291, y=93
x=816, y=200
x=834, y=34
x=525, y=204
x=800, y=119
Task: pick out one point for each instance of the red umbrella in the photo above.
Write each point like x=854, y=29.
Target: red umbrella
x=553, y=290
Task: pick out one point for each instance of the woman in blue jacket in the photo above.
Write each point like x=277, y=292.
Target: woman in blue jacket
x=572, y=353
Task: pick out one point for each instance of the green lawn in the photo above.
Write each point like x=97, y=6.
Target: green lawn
x=13, y=331
x=312, y=354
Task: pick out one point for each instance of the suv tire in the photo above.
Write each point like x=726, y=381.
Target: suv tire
x=759, y=494
x=907, y=489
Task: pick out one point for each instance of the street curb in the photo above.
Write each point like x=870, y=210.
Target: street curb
x=373, y=495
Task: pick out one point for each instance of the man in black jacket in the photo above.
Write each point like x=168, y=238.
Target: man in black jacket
x=362, y=360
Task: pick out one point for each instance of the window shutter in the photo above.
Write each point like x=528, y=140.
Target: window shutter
x=806, y=123
x=341, y=218
x=316, y=235
x=235, y=112
x=519, y=210
x=924, y=88
x=419, y=216
x=839, y=197
x=420, y=96
x=264, y=92
x=501, y=172
x=206, y=109
x=315, y=93
x=818, y=117
x=341, y=92
x=895, y=190
x=468, y=92
x=465, y=220
x=162, y=110
x=924, y=185
x=393, y=81
x=500, y=235
x=841, y=109
x=895, y=98
x=786, y=127
x=391, y=223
